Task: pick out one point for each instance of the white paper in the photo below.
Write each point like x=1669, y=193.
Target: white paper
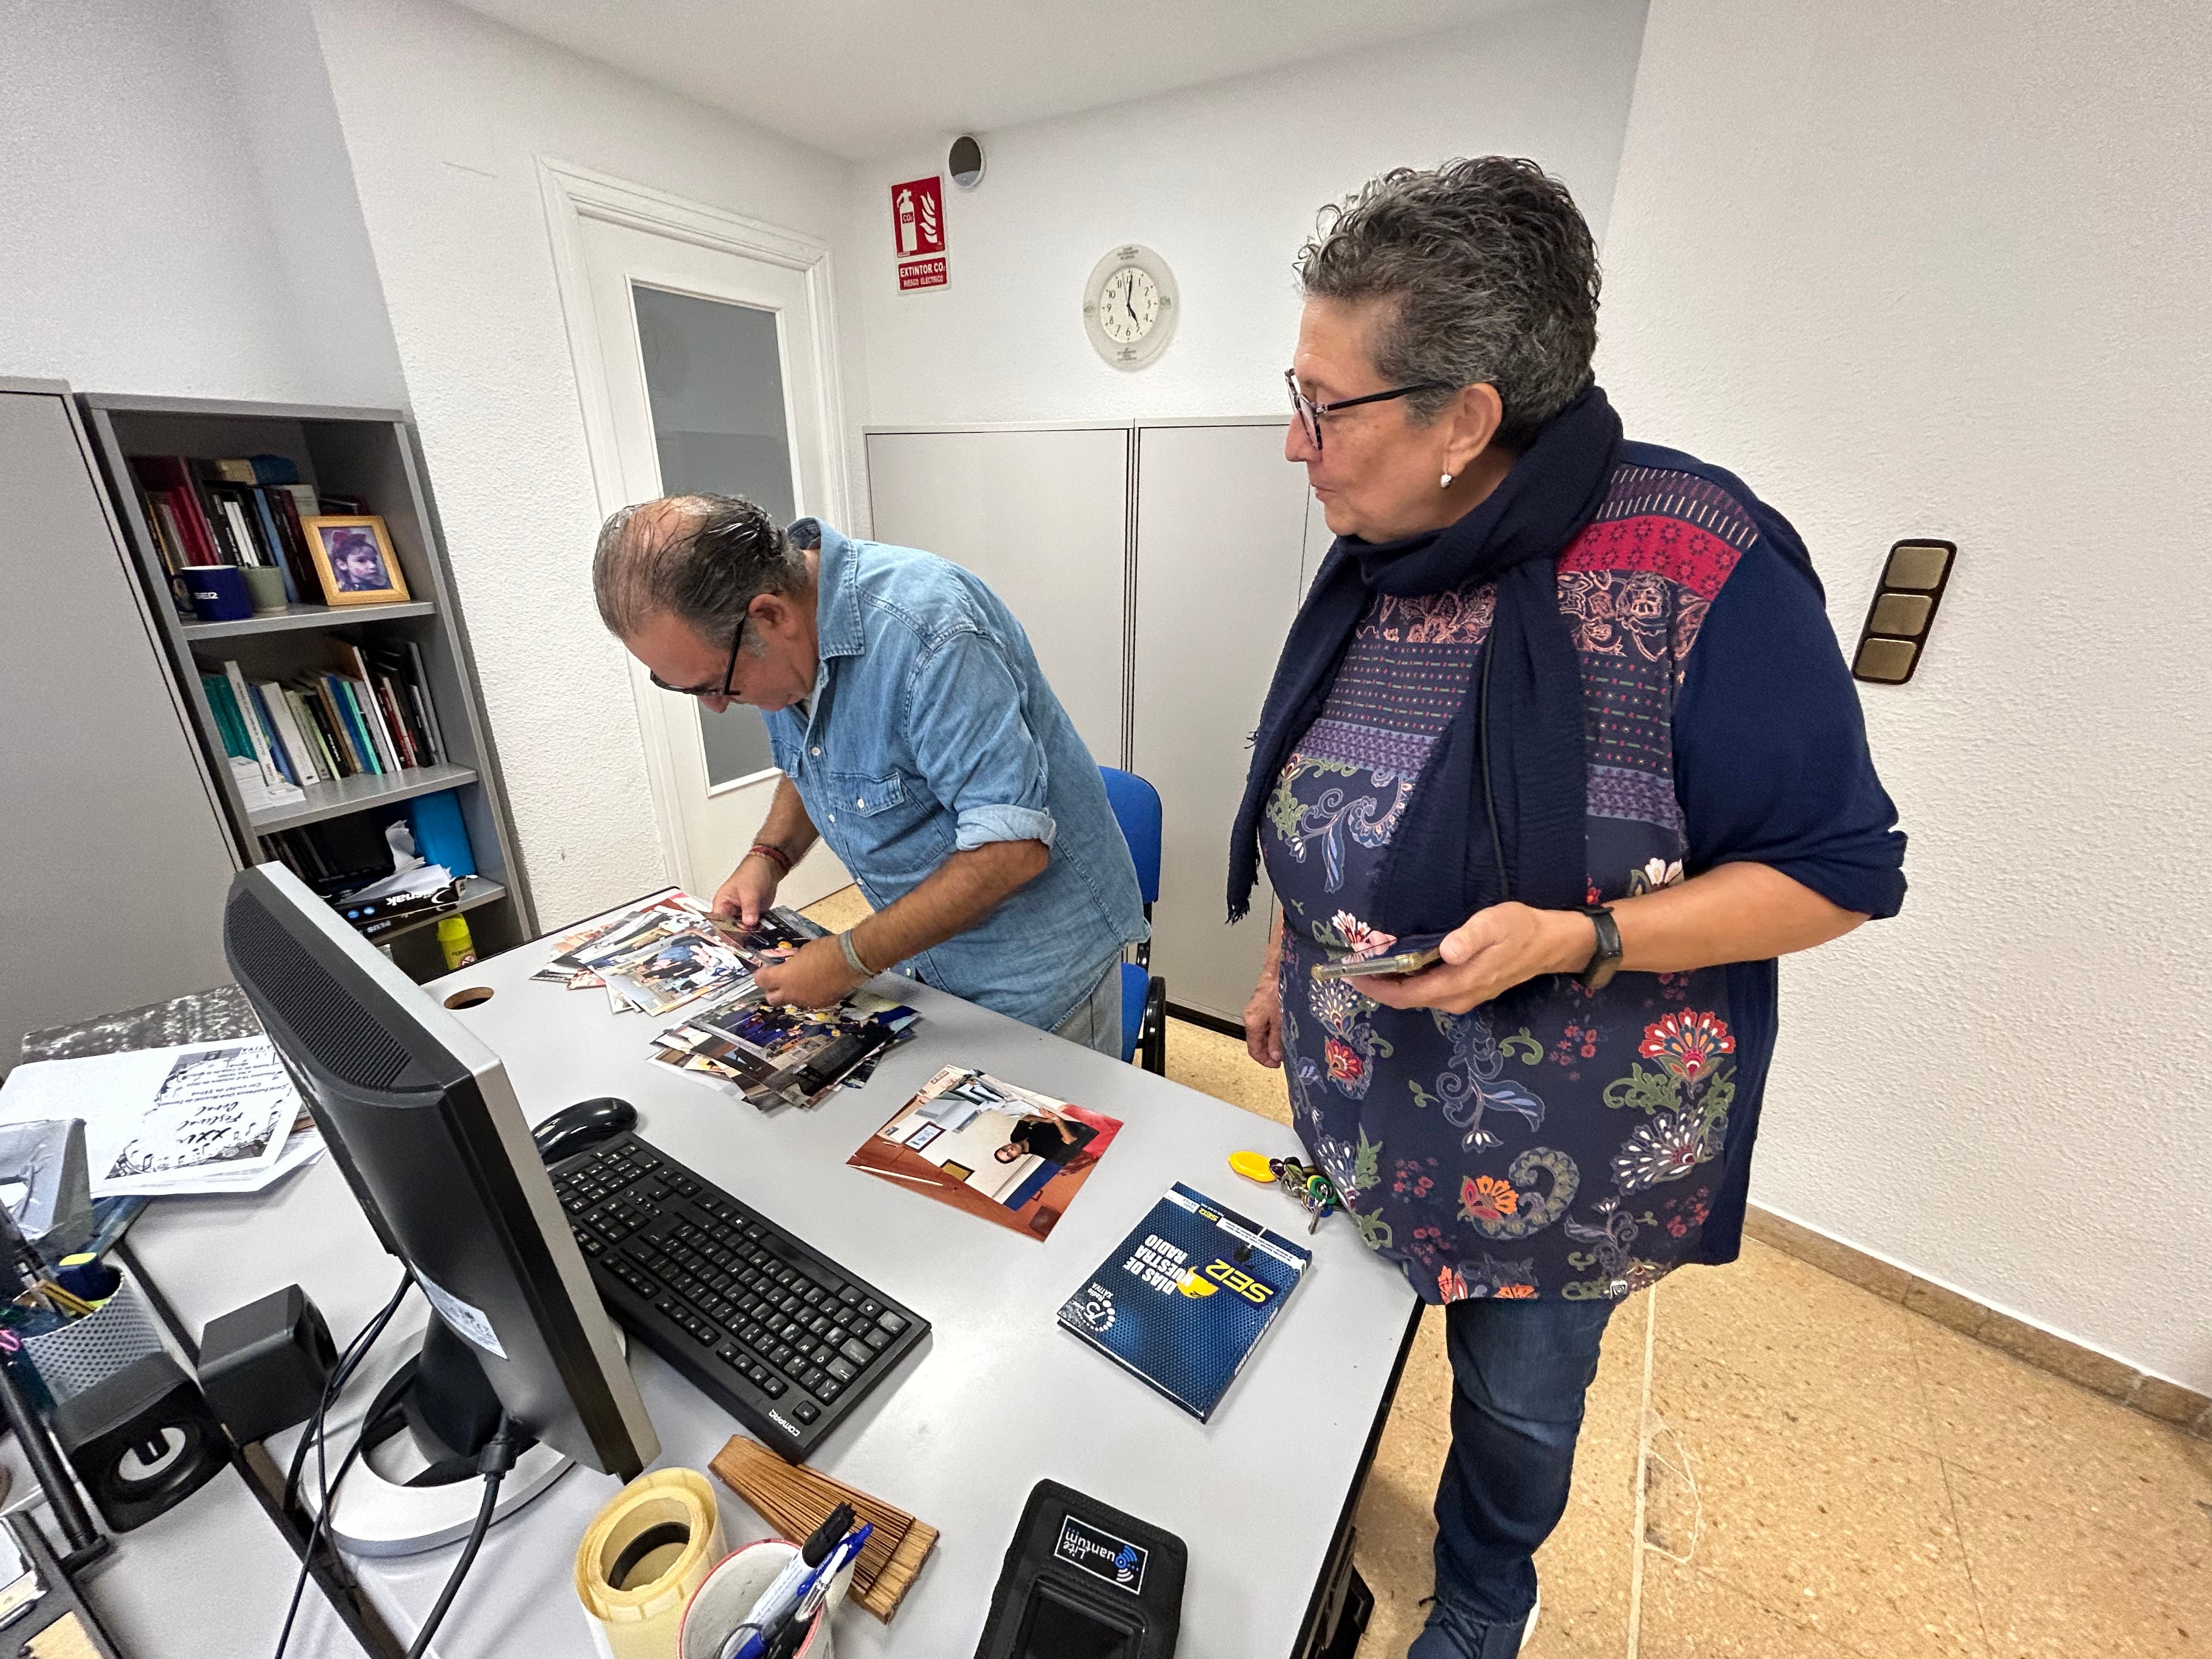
x=203, y=1116
x=302, y=1149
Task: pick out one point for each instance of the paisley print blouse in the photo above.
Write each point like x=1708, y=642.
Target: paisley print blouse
x=1583, y=1145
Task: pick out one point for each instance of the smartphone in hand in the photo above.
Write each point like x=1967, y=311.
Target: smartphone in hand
x=1406, y=961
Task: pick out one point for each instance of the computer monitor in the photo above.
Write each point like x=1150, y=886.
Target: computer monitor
x=419, y=1114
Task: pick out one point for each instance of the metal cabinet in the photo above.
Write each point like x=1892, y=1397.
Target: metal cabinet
x=1042, y=516
x=1220, y=536
x=1155, y=566
x=117, y=855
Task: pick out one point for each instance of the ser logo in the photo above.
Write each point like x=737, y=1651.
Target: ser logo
x=1243, y=1284
x=1101, y=1554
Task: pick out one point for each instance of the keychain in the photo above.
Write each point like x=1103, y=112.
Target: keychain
x=1305, y=1182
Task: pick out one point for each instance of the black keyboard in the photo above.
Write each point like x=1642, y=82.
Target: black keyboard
x=780, y=1335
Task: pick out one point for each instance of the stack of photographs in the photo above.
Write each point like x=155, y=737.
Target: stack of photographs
x=1009, y=1155
x=779, y=1056
x=669, y=954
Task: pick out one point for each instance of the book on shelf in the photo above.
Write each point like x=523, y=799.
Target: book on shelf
x=255, y=792
x=233, y=511
x=336, y=855
x=340, y=856
x=256, y=736
x=364, y=715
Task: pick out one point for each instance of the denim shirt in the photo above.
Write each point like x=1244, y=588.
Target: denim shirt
x=931, y=731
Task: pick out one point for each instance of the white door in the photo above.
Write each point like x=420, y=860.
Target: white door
x=713, y=383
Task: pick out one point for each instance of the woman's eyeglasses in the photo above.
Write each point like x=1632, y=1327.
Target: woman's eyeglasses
x=729, y=672
x=1309, y=412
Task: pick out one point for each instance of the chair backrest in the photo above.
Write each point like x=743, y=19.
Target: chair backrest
x=1136, y=806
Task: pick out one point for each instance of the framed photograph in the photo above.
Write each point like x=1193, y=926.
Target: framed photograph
x=354, y=558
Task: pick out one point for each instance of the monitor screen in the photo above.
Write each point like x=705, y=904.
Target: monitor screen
x=421, y=1117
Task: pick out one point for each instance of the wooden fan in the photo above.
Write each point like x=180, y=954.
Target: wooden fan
x=795, y=1500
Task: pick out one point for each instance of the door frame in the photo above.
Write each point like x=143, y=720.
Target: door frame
x=572, y=193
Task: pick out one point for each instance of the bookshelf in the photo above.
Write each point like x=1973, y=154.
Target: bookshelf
x=365, y=453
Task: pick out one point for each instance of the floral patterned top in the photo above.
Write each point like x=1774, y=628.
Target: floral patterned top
x=1601, y=1140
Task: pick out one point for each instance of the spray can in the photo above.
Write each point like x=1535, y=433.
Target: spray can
x=453, y=940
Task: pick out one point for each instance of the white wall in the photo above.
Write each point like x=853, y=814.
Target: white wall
x=1223, y=181
x=444, y=113
x=179, y=216
x=1916, y=269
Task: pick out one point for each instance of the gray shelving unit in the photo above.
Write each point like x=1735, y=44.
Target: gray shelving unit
x=367, y=453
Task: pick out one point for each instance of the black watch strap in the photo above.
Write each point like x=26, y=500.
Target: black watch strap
x=1605, y=961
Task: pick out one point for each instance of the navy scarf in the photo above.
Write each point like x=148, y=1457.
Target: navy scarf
x=1508, y=771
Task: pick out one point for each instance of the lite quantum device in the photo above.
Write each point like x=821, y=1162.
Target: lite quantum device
x=1083, y=1580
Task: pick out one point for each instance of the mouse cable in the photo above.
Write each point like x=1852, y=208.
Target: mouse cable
x=498, y=1456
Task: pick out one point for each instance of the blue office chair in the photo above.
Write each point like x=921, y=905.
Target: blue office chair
x=1136, y=806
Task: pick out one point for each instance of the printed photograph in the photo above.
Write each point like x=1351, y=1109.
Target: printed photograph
x=980, y=1143
x=354, y=561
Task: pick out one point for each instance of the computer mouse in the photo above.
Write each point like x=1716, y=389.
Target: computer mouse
x=577, y=1128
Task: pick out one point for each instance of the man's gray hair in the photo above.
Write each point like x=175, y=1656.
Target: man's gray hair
x=701, y=559
x=1490, y=274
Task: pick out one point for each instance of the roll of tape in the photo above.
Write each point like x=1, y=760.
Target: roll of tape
x=642, y=1557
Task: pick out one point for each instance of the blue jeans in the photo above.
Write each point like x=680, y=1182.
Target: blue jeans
x=1095, y=1022
x=1519, y=1372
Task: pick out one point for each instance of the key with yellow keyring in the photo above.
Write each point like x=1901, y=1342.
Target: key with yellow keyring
x=1306, y=1182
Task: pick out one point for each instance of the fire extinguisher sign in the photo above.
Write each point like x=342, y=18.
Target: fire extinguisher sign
x=918, y=232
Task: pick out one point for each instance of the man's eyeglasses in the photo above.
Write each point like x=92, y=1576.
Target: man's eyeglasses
x=1309, y=412
x=729, y=672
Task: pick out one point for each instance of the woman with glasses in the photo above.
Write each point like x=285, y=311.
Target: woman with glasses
x=1566, y=710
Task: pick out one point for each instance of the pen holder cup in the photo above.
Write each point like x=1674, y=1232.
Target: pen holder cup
x=94, y=1348
x=720, y=1605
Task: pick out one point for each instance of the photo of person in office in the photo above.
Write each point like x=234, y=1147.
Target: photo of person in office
x=1570, y=706
x=1055, y=1139
x=915, y=732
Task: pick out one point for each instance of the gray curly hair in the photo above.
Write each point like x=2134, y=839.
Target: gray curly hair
x=1491, y=275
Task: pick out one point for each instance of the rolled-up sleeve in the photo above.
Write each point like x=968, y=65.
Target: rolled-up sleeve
x=973, y=742
x=1770, y=758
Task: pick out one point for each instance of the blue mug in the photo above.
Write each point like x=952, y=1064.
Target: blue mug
x=218, y=592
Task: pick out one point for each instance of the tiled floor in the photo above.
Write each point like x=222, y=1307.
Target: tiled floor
x=1779, y=1465
x=1822, y=1473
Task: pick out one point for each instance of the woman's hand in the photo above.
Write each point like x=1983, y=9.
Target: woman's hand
x=1494, y=950
x=1263, y=1024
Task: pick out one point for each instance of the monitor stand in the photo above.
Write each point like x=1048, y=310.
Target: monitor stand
x=415, y=1486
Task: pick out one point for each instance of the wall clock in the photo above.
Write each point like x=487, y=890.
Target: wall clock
x=1129, y=306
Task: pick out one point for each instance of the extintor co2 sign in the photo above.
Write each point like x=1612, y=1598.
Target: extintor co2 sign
x=918, y=232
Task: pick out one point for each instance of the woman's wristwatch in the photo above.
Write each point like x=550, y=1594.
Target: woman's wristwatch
x=1605, y=961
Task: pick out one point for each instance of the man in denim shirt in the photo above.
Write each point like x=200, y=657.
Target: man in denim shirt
x=915, y=732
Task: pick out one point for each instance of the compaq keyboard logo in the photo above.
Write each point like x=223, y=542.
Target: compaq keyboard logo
x=1101, y=1554
x=791, y=1429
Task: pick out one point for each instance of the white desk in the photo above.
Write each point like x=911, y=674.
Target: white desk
x=994, y=1400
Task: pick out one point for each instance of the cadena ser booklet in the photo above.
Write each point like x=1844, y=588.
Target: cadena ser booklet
x=1187, y=1297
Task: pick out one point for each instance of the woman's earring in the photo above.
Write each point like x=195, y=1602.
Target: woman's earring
x=1445, y=483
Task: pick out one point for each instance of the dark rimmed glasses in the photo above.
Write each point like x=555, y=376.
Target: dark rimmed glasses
x=729, y=673
x=1309, y=412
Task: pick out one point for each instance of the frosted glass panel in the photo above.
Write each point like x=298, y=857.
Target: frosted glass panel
x=713, y=372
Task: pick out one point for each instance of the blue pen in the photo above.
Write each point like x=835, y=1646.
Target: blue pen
x=750, y=1638
x=785, y=1639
